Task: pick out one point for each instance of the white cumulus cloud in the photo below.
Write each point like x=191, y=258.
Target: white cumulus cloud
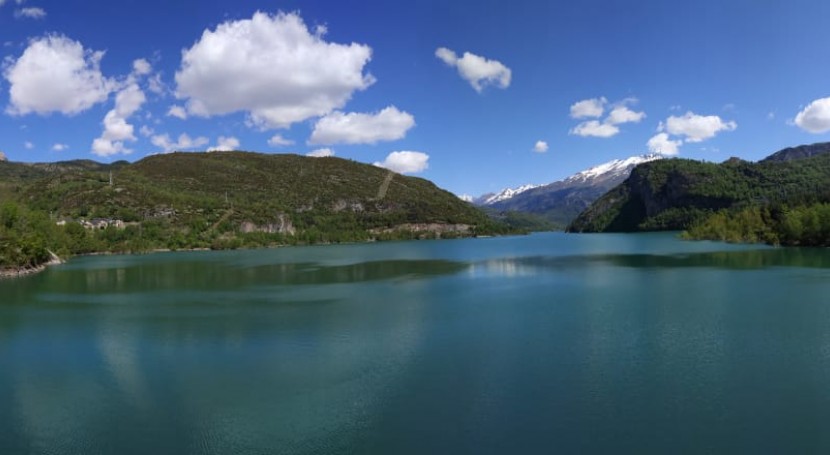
x=28, y=145
x=185, y=142
x=156, y=86
x=815, y=118
x=594, y=128
x=697, y=128
x=475, y=69
x=661, y=144
x=595, y=108
x=142, y=67
x=278, y=141
x=447, y=56
x=622, y=114
x=56, y=74
x=272, y=67
x=58, y=147
x=30, y=13
x=389, y=124
x=321, y=153
x=540, y=147
x=405, y=162
x=225, y=144
x=177, y=111
x=129, y=100
x=103, y=147
x=590, y=108
x=116, y=128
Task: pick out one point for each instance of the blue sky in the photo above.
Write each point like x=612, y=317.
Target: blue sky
x=474, y=95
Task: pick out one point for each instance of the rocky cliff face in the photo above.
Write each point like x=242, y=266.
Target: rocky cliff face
x=674, y=194
x=281, y=225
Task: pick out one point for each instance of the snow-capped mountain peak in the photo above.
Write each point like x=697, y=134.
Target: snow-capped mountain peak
x=505, y=194
x=597, y=175
x=613, y=168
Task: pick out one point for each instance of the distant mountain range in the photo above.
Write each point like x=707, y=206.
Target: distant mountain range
x=503, y=195
x=561, y=201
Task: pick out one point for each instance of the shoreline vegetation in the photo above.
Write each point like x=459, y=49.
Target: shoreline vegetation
x=31, y=241
x=806, y=226
x=17, y=272
x=31, y=253
x=802, y=225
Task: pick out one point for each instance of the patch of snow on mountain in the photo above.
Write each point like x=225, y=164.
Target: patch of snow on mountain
x=612, y=168
x=507, y=193
x=603, y=172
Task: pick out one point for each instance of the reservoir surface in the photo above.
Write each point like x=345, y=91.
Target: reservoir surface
x=547, y=343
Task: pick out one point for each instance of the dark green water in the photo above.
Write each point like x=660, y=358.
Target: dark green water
x=538, y=344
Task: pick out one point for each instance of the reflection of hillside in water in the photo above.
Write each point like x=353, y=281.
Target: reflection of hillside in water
x=736, y=260
x=131, y=278
x=311, y=351
x=309, y=339
x=733, y=260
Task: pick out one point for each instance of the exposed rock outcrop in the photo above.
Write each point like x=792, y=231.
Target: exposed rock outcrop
x=435, y=229
x=676, y=194
x=281, y=225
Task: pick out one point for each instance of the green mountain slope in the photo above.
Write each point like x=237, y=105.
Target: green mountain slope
x=677, y=194
x=799, y=152
x=257, y=188
x=223, y=200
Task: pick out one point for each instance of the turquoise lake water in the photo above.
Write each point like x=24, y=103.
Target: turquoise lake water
x=548, y=343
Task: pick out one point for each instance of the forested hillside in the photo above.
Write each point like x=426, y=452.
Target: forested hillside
x=217, y=200
x=735, y=200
